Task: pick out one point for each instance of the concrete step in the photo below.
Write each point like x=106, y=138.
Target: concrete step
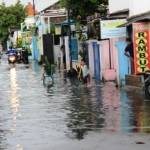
x=134, y=80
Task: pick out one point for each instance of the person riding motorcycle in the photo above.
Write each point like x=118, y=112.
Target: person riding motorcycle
x=11, y=51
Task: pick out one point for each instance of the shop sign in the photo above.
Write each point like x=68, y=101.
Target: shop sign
x=112, y=29
x=141, y=34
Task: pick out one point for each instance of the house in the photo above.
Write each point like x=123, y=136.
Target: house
x=102, y=50
x=133, y=8
x=49, y=30
x=138, y=27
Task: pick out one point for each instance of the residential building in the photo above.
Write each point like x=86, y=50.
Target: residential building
x=138, y=28
x=117, y=5
x=48, y=22
x=135, y=7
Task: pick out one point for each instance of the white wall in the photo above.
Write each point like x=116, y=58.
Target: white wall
x=139, y=6
x=135, y=6
x=29, y=21
x=117, y=5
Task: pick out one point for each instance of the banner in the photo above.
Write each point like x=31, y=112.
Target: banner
x=141, y=36
x=112, y=29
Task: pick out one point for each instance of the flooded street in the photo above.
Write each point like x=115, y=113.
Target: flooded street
x=68, y=115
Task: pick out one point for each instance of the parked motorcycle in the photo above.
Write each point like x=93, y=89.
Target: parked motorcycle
x=147, y=84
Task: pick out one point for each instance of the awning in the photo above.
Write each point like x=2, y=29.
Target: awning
x=137, y=18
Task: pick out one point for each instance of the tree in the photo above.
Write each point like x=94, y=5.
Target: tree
x=10, y=17
x=82, y=9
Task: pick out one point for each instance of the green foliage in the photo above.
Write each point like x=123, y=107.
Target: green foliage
x=82, y=9
x=52, y=28
x=10, y=17
x=33, y=30
x=19, y=42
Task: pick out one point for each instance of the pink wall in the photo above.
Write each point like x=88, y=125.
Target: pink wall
x=107, y=70
x=91, y=57
x=104, y=52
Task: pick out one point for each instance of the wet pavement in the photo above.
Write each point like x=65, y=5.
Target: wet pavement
x=68, y=115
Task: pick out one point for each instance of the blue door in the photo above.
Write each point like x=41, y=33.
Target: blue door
x=74, y=49
x=124, y=63
x=96, y=60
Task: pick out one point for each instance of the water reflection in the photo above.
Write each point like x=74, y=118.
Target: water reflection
x=79, y=115
x=104, y=107
x=135, y=112
x=2, y=135
x=126, y=112
x=136, y=105
x=19, y=147
x=145, y=117
x=111, y=107
x=85, y=111
x=35, y=67
x=14, y=99
x=67, y=110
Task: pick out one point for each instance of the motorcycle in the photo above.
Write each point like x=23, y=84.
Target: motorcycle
x=147, y=84
x=25, y=56
x=12, y=59
x=19, y=56
x=12, y=56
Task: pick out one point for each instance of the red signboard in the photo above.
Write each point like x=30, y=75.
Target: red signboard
x=141, y=40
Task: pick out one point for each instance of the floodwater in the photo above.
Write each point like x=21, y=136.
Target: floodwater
x=68, y=115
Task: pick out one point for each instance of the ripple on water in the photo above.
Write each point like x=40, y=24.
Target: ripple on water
x=30, y=113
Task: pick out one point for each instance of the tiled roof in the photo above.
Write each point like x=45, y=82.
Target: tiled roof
x=30, y=10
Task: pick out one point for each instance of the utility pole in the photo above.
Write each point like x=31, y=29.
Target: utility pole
x=33, y=8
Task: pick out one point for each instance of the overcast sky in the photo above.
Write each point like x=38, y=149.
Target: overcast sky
x=39, y=4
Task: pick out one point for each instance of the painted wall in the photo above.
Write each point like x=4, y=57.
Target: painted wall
x=67, y=53
x=116, y=5
x=135, y=6
x=138, y=7
x=123, y=61
x=107, y=71
x=91, y=57
x=105, y=61
x=108, y=60
x=97, y=67
x=113, y=69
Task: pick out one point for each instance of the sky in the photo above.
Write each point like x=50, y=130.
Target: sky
x=39, y=4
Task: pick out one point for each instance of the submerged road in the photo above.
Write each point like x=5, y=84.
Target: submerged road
x=68, y=115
